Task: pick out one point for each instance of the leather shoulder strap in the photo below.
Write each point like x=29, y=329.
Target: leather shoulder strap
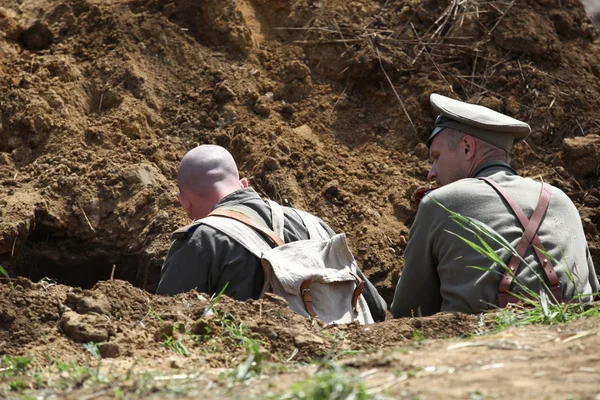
x=238, y=216
x=529, y=236
x=255, y=242
x=248, y=212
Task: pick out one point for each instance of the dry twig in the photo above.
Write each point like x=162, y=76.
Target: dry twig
x=395, y=92
x=12, y=253
x=326, y=30
x=328, y=41
x=337, y=101
x=521, y=70
x=431, y=59
x=392, y=381
x=86, y=218
x=502, y=16
x=580, y=127
x=340, y=33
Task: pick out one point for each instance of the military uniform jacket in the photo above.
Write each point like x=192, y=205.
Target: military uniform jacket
x=205, y=259
x=438, y=273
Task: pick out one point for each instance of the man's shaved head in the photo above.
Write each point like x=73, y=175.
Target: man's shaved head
x=206, y=174
x=207, y=168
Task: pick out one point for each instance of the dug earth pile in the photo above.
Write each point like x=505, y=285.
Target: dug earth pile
x=51, y=322
x=325, y=105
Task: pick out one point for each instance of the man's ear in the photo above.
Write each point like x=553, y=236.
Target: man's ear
x=468, y=147
x=184, y=201
x=244, y=183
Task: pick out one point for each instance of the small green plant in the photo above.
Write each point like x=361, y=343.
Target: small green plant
x=72, y=369
x=236, y=334
x=411, y=373
x=92, y=347
x=18, y=384
x=14, y=365
x=176, y=345
x=213, y=300
x=252, y=365
x=540, y=308
x=335, y=383
x=477, y=395
x=119, y=394
x=418, y=336
x=205, y=336
x=5, y=274
x=337, y=338
x=544, y=312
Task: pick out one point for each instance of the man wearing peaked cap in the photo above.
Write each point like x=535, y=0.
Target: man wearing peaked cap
x=469, y=146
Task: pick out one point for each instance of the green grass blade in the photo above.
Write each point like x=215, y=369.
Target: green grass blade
x=3, y=272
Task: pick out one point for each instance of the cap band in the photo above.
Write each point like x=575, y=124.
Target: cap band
x=495, y=138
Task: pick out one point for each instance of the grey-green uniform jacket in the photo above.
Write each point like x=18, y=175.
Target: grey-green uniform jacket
x=437, y=273
x=205, y=259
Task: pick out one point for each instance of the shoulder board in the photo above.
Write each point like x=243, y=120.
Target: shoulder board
x=186, y=231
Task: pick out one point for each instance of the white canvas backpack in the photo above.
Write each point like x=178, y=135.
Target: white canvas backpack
x=318, y=277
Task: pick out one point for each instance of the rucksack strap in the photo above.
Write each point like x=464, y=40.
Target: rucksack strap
x=248, y=212
x=306, y=295
x=313, y=226
x=529, y=237
x=238, y=216
x=360, y=286
x=248, y=237
x=277, y=217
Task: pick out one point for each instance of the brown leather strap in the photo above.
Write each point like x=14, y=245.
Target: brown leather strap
x=360, y=286
x=307, y=298
x=238, y=216
x=505, y=298
x=529, y=236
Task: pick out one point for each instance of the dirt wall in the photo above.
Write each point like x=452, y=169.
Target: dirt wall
x=324, y=105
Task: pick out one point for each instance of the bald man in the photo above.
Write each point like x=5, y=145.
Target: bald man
x=205, y=259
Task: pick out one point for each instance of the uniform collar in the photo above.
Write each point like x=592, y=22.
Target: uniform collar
x=232, y=199
x=491, y=167
x=238, y=197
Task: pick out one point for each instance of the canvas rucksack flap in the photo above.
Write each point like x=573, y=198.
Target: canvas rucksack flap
x=324, y=267
x=316, y=277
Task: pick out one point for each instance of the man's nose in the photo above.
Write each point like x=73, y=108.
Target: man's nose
x=432, y=175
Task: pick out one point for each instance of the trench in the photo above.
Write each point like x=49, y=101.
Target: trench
x=52, y=255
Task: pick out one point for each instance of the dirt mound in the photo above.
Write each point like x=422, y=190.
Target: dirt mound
x=51, y=322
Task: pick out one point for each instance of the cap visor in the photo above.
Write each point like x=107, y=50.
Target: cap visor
x=436, y=130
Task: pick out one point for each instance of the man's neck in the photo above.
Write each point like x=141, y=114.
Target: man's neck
x=483, y=159
x=493, y=164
